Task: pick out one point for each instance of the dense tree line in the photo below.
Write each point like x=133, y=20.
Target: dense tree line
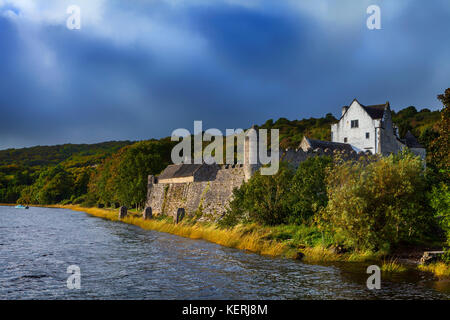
x=120, y=178
x=25, y=171
x=123, y=178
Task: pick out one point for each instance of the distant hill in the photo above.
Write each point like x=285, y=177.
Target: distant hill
x=69, y=155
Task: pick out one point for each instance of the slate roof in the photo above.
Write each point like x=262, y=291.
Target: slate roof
x=411, y=141
x=179, y=171
x=330, y=145
x=375, y=111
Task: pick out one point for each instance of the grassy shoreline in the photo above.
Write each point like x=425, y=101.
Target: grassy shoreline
x=253, y=238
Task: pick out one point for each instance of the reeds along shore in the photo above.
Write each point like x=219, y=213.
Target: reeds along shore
x=253, y=238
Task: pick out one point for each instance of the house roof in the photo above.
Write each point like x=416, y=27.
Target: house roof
x=179, y=171
x=328, y=144
x=411, y=141
x=376, y=111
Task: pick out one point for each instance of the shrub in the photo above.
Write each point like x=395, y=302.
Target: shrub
x=308, y=189
x=440, y=201
x=263, y=199
x=376, y=205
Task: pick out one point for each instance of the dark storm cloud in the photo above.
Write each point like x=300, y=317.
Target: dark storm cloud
x=142, y=71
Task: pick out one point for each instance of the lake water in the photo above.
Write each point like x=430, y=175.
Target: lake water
x=121, y=261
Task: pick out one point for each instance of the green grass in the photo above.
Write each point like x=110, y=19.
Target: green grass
x=392, y=266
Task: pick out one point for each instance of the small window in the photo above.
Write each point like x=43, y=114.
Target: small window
x=354, y=124
x=367, y=135
x=345, y=140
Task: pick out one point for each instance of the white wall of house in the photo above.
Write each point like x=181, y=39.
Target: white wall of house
x=343, y=132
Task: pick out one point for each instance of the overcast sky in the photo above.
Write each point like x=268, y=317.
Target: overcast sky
x=140, y=69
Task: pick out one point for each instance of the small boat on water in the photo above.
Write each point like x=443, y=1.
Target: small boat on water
x=19, y=206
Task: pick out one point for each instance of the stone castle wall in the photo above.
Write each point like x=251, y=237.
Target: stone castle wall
x=208, y=197
x=296, y=156
x=210, y=194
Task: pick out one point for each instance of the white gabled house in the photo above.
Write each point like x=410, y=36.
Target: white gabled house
x=370, y=128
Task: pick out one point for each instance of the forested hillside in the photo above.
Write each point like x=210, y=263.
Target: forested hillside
x=73, y=154
x=21, y=168
x=117, y=171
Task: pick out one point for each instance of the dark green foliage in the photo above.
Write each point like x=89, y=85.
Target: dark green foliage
x=139, y=161
x=20, y=168
x=439, y=151
x=287, y=197
x=53, y=186
x=308, y=193
x=263, y=199
x=123, y=177
x=440, y=201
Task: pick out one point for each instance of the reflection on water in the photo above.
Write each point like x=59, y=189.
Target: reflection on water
x=120, y=261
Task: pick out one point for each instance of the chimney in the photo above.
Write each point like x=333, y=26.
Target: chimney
x=344, y=110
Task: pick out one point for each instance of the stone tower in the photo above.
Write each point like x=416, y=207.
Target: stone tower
x=251, y=163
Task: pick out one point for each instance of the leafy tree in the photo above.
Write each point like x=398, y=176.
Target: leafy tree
x=308, y=193
x=379, y=204
x=27, y=196
x=439, y=153
x=263, y=199
x=52, y=186
x=103, y=183
x=81, y=181
x=123, y=177
x=139, y=161
x=440, y=201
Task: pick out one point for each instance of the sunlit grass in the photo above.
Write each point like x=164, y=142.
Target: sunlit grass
x=278, y=241
x=320, y=254
x=363, y=256
x=440, y=269
x=240, y=237
x=392, y=266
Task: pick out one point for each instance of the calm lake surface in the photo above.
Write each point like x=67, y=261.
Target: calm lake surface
x=120, y=261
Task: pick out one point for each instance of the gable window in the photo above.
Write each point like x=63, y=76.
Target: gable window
x=354, y=124
x=345, y=140
x=367, y=135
